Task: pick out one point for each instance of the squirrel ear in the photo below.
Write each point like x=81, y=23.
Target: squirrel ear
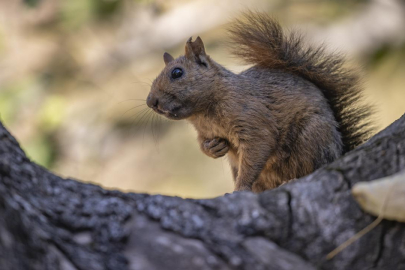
x=195, y=51
x=167, y=58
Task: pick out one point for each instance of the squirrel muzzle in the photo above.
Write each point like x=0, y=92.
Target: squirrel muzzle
x=170, y=110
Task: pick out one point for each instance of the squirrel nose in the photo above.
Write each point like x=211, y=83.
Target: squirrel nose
x=152, y=101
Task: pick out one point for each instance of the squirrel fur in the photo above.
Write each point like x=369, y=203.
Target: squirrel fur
x=297, y=108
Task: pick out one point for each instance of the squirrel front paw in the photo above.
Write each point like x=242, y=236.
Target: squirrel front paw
x=215, y=148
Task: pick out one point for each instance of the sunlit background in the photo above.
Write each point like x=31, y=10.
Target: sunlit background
x=74, y=76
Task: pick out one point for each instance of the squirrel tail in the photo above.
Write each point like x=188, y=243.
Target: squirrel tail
x=260, y=40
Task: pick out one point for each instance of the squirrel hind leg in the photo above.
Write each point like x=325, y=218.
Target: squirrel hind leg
x=266, y=180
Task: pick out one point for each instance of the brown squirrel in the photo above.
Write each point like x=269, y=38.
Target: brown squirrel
x=293, y=111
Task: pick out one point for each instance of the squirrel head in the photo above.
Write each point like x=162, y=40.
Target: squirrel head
x=186, y=84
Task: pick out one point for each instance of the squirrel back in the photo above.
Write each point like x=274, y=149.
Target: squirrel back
x=260, y=40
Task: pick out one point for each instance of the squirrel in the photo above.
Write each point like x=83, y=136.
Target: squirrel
x=296, y=109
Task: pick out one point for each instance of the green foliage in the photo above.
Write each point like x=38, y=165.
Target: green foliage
x=41, y=150
x=51, y=113
x=77, y=13
x=11, y=98
x=384, y=52
x=32, y=3
x=16, y=99
x=106, y=8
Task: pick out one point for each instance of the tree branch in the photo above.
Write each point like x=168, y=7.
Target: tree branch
x=47, y=222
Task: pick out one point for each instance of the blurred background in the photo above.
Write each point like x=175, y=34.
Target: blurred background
x=74, y=76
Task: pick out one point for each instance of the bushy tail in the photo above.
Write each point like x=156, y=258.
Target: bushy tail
x=260, y=40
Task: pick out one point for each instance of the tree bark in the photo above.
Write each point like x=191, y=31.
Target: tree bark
x=47, y=222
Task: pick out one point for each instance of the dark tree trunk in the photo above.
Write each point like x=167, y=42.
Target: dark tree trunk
x=47, y=222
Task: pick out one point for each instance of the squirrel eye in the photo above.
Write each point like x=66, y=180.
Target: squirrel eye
x=177, y=73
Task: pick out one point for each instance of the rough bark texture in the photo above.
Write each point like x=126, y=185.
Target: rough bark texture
x=47, y=222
